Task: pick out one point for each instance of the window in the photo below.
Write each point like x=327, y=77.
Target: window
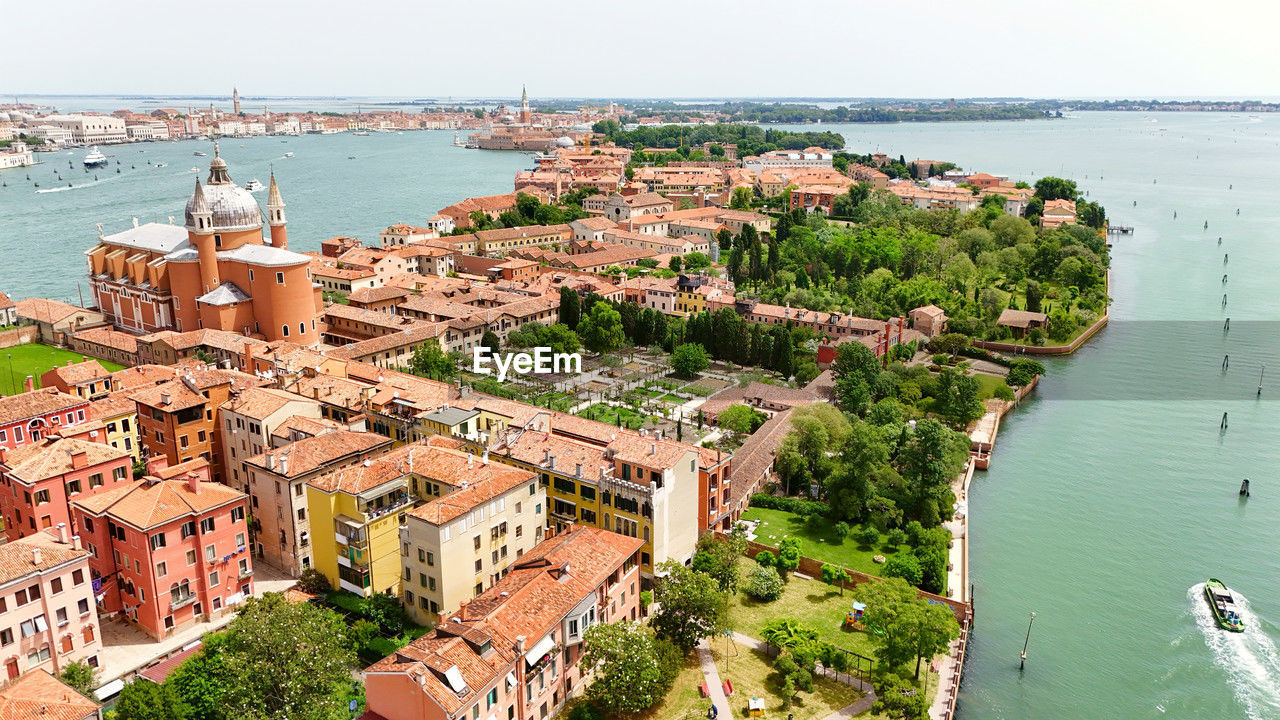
x=479, y=565
x=213, y=579
x=6, y=636
x=279, y=278
x=191, y=557
x=61, y=616
x=157, y=541
x=42, y=497
x=38, y=656
x=83, y=606
x=237, y=514
x=162, y=569
x=210, y=553
x=206, y=525
x=250, y=274
x=118, y=473
x=77, y=577
x=477, y=542
x=188, y=529
x=73, y=487
x=302, y=328
x=285, y=329
x=55, y=586
x=34, y=625
x=239, y=541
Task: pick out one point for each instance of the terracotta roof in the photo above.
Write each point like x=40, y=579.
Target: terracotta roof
x=1021, y=318
x=108, y=337
x=148, y=503
x=112, y=406
x=49, y=311
x=51, y=457
x=14, y=408
x=366, y=295
x=370, y=473
x=38, y=695
x=312, y=453
x=302, y=426
x=161, y=671
x=477, y=481
x=17, y=559
x=259, y=403
x=141, y=376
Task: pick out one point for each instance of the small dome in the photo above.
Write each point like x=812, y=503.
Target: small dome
x=508, y=118
x=565, y=141
x=232, y=207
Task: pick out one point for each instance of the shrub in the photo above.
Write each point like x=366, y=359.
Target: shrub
x=897, y=536
x=905, y=566
x=766, y=558
x=313, y=581
x=867, y=536
x=586, y=711
x=764, y=584
x=841, y=530
x=790, y=504
x=1003, y=392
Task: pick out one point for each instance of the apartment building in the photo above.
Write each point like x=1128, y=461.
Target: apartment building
x=277, y=480
x=482, y=517
x=170, y=550
x=514, y=652
x=29, y=416
x=38, y=481
x=47, y=614
x=248, y=419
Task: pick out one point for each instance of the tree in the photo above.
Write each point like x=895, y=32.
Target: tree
x=740, y=418
x=570, y=310
x=929, y=459
x=841, y=531
x=688, y=360
x=285, y=660
x=692, y=606
x=763, y=584
x=601, y=331
x=788, y=556
x=741, y=199
x=80, y=676
x=854, y=369
x=1053, y=188
x=719, y=559
x=835, y=575
x=936, y=627
x=889, y=606
x=145, y=700
x=1034, y=295
x=490, y=340
x=431, y=361
x=625, y=659
x=867, y=536
x=676, y=263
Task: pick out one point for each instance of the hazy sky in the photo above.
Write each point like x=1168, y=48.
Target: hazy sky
x=648, y=48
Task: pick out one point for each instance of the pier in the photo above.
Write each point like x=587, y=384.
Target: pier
x=1119, y=229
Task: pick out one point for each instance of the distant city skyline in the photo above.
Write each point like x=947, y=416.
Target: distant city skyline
x=823, y=48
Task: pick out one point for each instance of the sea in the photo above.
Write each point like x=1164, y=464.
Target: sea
x=1112, y=494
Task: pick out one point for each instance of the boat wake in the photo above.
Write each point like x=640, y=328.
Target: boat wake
x=64, y=188
x=1249, y=659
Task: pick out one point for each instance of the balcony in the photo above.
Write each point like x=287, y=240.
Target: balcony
x=176, y=605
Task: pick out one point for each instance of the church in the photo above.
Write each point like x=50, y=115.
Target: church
x=217, y=271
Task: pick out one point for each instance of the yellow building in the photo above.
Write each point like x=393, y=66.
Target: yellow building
x=118, y=414
x=689, y=299
x=356, y=514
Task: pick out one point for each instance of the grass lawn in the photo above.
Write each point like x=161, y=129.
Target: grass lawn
x=34, y=360
x=987, y=385
x=753, y=676
x=684, y=699
x=608, y=414
x=818, y=539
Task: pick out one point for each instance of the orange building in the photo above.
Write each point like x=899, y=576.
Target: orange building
x=217, y=272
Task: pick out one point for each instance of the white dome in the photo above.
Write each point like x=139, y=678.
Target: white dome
x=565, y=141
x=233, y=208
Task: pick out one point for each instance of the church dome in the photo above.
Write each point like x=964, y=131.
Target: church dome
x=565, y=142
x=231, y=206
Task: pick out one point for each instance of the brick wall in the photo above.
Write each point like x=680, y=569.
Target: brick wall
x=19, y=336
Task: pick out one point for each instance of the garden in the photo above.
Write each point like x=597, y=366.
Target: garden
x=34, y=359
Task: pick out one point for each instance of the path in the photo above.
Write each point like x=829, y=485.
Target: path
x=712, y=677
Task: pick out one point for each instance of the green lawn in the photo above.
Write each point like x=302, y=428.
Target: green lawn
x=753, y=676
x=684, y=699
x=987, y=385
x=818, y=539
x=17, y=362
x=608, y=414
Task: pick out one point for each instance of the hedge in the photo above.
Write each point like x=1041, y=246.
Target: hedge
x=790, y=504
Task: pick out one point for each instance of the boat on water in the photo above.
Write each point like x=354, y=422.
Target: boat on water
x=254, y=185
x=288, y=154
x=361, y=133
x=95, y=158
x=1223, y=605
x=160, y=164
x=199, y=153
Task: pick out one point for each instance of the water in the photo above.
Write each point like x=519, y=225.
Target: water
x=1111, y=492
x=392, y=178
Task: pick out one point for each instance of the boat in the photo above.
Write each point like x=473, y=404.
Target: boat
x=288, y=154
x=199, y=153
x=160, y=164
x=95, y=158
x=1223, y=605
x=361, y=133
x=254, y=185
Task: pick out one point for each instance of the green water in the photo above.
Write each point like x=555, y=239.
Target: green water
x=1112, y=493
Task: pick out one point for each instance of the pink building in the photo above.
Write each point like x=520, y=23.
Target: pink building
x=514, y=651
x=47, y=617
x=171, y=549
x=39, y=480
x=41, y=696
x=33, y=414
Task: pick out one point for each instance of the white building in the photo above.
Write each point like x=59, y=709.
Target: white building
x=17, y=155
x=50, y=133
x=90, y=129
x=148, y=130
x=809, y=157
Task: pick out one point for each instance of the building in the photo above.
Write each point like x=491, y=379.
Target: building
x=216, y=272
x=1058, y=213
x=620, y=207
x=41, y=696
x=90, y=129
x=356, y=515
x=809, y=157
x=47, y=615
x=170, y=550
x=277, y=480
x=248, y=419
x=56, y=320
x=42, y=478
x=481, y=519
x=31, y=415
x=106, y=344
x=1022, y=321
x=930, y=320
x=178, y=419
x=514, y=652
x=86, y=379
x=117, y=414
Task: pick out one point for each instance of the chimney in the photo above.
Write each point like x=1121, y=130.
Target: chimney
x=79, y=458
x=247, y=356
x=75, y=542
x=62, y=533
x=284, y=463
x=164, y=398
x=30, y=383
x=193, y=483
x=520, y=644
x=70, y=363
x=271, y=461
x=35, y=556
x=653, y=448
x=551, y=462
x=546, y=456
x=485, y=458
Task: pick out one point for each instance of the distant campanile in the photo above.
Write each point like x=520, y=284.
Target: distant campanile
x=235, y=101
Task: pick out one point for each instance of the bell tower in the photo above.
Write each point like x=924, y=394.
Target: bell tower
x=235, y=100
x=275, y=216
x=201, y=232
x=526, y=115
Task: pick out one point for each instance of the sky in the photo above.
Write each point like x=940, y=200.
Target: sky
x=651, y=48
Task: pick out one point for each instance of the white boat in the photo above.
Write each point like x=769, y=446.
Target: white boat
x=288, y=154
x=200, y=153
x=254, y=185
x=95, y=158
x=195, y=170
x=160, y=165
x=360, y=132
